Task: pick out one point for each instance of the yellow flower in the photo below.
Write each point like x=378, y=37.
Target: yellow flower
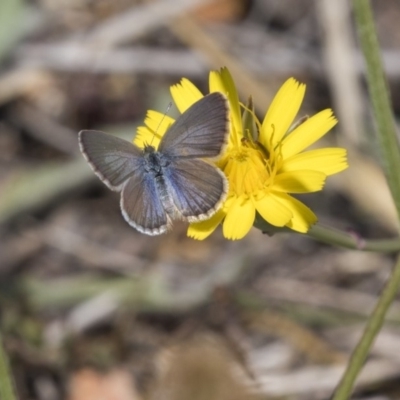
x=262, y=170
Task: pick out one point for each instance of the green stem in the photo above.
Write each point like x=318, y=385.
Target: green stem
x=351, y=240
x=374, y=325
x=391, y=162
x=6, y=386
x=332, y=236
x=380, y=98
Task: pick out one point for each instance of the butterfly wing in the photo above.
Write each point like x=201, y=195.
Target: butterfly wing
x=141, y=205
x=197, y=188
x=112, y=159
x=201, y=131
x=121, y=166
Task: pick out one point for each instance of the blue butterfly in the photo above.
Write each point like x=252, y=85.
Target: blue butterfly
x=174, y=181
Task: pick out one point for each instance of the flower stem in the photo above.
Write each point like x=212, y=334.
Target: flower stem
x=351, y=240
x=332, y=236
x=391, y=162
x=386, y=132
x=374, y=325
x=6, y=386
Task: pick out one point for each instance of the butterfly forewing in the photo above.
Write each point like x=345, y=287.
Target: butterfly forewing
x=200, y=132
x=112, y=159
x=141, y=205
x=197, y=189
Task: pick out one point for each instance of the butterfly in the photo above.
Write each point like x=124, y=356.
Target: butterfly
x=174, y=181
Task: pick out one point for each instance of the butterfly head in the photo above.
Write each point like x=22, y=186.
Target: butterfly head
x=148, y=149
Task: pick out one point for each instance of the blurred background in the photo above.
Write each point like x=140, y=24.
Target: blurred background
x=90, y=308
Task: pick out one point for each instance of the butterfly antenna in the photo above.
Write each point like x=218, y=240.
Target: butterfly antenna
x=162, y=119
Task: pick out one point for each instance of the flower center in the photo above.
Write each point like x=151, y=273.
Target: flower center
x=248, y=169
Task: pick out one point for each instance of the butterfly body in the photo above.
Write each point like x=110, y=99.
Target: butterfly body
x=174, y=181
x=156, y=165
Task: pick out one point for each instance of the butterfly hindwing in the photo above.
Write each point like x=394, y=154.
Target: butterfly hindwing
x=141, y=205
x=112, y=159
x=196, y=188
x=200, y=132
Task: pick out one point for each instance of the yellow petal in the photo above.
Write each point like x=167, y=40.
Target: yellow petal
x=144, y=136
x=329, y=160
x=222, y=82
x=303, y=217
x=201, y=230
x=272, y=210
x=282, y=112
x=239, y=219
x=299, y=181
x=185, y=94
x=156, y=126
x=308, y=133
x=158, y=122
x=215, y=82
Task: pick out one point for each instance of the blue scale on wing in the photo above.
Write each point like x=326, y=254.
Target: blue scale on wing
x=141, y=204
x=196, y=188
